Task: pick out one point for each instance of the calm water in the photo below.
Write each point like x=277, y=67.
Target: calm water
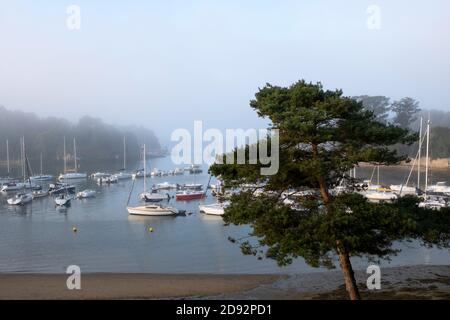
x=39, y=237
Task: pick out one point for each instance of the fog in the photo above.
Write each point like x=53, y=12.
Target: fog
x=165, y=64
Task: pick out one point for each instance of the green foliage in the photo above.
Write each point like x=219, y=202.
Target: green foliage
x=324, y=134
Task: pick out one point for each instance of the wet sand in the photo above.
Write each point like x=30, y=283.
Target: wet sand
x=415, y=282
x=126, y=286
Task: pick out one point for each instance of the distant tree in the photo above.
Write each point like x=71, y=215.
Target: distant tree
x=405, y=111
x=440, y=142
x=323, y=134
x=379, y=105
x=96, y=140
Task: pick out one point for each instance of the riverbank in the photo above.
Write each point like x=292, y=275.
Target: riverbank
x=416, y=282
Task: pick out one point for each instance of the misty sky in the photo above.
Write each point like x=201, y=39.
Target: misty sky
x=165, y=64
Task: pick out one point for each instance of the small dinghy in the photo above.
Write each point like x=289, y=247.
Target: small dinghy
x=63, y=200
x=40, y=194
x=86, y=194
x=20, y=199
x=215, y=209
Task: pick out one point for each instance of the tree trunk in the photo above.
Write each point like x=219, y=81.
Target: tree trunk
x=349, y=276
x=344, y=257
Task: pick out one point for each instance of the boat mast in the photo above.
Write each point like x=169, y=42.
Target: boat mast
x=124, y=153
x=7, y=155
x=145, y=172
x=41, y=164
x=22, y=156
x=427, y=157
x=75, y=153
x=65, y=164
x=378, y=175
x=420, y=153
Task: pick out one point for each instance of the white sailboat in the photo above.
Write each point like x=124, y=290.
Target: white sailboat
x=75, y=175
x=150, y=210
x=431, y=202
x=23, y=197
x=122, y=174
x=41, y=176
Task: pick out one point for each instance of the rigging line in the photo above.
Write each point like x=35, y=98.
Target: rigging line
x=413, y=164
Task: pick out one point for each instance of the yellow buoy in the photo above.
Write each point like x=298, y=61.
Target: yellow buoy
x=150, y=229
x=74, y=229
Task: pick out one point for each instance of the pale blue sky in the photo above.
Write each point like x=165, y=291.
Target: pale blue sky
x=164, y=64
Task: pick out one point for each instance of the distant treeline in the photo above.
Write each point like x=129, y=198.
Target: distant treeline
x=406, y=113
x=96, y=140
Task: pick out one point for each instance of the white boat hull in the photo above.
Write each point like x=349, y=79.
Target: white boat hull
x=20, y=199
x=72, y=176
x=152, y=211
x=215, y=209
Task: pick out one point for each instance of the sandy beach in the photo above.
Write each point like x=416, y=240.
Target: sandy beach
x=417, y=282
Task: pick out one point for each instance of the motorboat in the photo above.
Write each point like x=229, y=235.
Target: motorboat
x=152, y=210
x=216, y=209
x=59, y=188
x=377, y=196
x=434, y=203
x=72, y=176
x=86, y=194
x=63, y=199
x=14, y=186
x=98, y=175
x=123, y=176
x=166, y=186
x=195, y=169
x=40, y=194
x=399, y=188
x=439, y=188
x=192, y=186
x=140, y=174
x=177, y=172
x=20, y=199
x=189, y=195
x=155, y=173
x=42, y=177
x=153, y=196
x=107, y=180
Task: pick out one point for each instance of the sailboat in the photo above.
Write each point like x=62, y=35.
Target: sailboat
x=23, y=197
x=73, y=175
x=41, y=176
x=122, y=174
x=432, y=202
x=6, y=179
x=153, y=209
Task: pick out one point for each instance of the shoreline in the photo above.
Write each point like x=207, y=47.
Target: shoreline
x=409, y=282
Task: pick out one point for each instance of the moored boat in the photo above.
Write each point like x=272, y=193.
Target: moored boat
x=216, y=209
x=20, y=199
x=152, y=210
x=189, y=195
x=40, y=194
x=86, y=194
x=63, y=199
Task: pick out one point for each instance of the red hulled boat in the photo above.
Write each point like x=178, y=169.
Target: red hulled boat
x=189, y=195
